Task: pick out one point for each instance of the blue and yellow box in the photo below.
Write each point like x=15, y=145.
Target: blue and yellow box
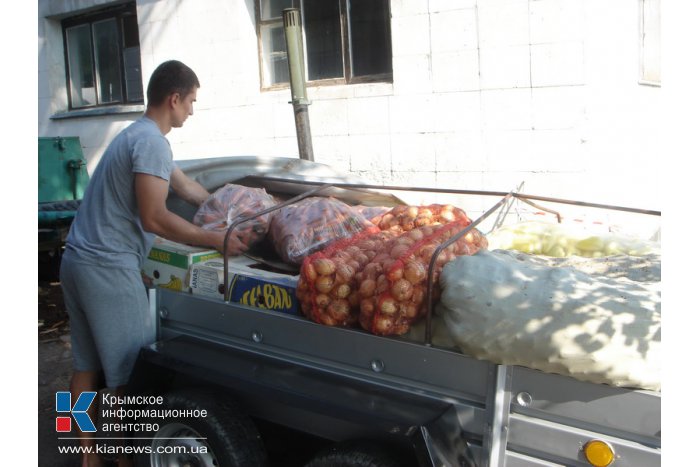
x=248, y=286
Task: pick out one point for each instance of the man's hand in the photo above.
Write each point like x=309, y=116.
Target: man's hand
x=235, y=246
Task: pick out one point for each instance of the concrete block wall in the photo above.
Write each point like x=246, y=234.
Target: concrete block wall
x=486, y=94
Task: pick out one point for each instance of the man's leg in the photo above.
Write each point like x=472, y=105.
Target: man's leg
x=83, y=381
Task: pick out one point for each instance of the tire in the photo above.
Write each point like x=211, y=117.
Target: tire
x=226, y=437
x=356, y=454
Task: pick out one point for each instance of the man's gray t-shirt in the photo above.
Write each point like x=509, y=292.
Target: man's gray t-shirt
x=107, y=229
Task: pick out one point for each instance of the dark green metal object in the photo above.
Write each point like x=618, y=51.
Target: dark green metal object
x=62, y=169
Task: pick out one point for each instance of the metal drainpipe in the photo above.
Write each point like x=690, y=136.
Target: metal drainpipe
x=297, y=81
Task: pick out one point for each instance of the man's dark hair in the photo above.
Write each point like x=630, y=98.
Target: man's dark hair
x=169, y=78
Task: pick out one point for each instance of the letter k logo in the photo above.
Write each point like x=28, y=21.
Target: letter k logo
x=79, y=411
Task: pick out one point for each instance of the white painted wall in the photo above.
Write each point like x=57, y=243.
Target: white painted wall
x=486, y=94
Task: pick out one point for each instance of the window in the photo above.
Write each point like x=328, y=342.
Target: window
x=650, y=42
x=345, y=41
x=103, y=59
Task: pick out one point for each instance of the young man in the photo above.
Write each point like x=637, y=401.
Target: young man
x=122, y=210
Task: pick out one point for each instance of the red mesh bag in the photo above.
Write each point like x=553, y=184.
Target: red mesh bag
x=406, y=218
x=393, y=286
x=372, y=213
x=233, y=202
x=378, y=279
x=312, y=224
x=328, y=280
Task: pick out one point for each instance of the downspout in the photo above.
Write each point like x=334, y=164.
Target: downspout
x=297, y=81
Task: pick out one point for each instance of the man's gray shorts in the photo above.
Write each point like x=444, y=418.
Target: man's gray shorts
x=109, y=319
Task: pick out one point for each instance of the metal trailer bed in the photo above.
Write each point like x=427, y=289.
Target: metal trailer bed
x=339, y=384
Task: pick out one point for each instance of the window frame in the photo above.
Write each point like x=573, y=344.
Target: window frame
x=347, y=79
x=118, y=13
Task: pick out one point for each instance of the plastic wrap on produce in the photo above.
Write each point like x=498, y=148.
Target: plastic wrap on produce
x=515, y=310
x=378, y=279
x=231, y=203
x=311, y=224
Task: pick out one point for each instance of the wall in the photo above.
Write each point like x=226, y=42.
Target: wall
x=486, y=94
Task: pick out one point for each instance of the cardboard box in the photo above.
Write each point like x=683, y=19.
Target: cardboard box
x=168, y=263
x=249, y=286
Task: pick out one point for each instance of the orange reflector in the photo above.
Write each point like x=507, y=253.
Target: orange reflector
x=599, y=453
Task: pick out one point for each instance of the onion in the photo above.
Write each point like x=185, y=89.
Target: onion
x=339, y=310
x=418, y=294
x=322, y=300
x=396, y=272
x=309, y=271
x=326, y=319
x=364, y=245
x=408, y=310
x=447, y=216
x=381, y=257
x=324, y=266
x=405, y=240
x=341, y=290
x=354, y=264
x=324, y=284
x=416, y=234
x=367, y=306
x=408, y=225
x=399, y=250
x=402, y=290
x=427, y=231
x=367, y=288
x=361, y=258
x=442, y=258
x=415, y=272
x=383, y=325
x=412, y=211
x=382, y=284
x=423, y=221
x=344, y=273
x=341, y=256
x=426, y=252
x=354, y=299
x=388, y=306
x=352, y=250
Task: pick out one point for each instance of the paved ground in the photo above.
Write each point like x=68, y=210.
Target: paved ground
x=54, y=375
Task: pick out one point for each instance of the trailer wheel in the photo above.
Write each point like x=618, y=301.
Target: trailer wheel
x=226, y=437
x=357, y=454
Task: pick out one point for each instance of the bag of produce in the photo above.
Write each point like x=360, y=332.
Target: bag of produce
x=231, y=203
x=393, y=286
x=372, y=213
x=515, y=310
x=311, y=224
x=564, y=240
x=379, y=278
x=406, y=218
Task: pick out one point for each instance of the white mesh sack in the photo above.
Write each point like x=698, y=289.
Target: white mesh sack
x=515, y=310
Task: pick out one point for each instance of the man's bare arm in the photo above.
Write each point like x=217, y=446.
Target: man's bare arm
x=151, y=194
x=187, y=188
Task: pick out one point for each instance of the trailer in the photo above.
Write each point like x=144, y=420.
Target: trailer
x=257, y=387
